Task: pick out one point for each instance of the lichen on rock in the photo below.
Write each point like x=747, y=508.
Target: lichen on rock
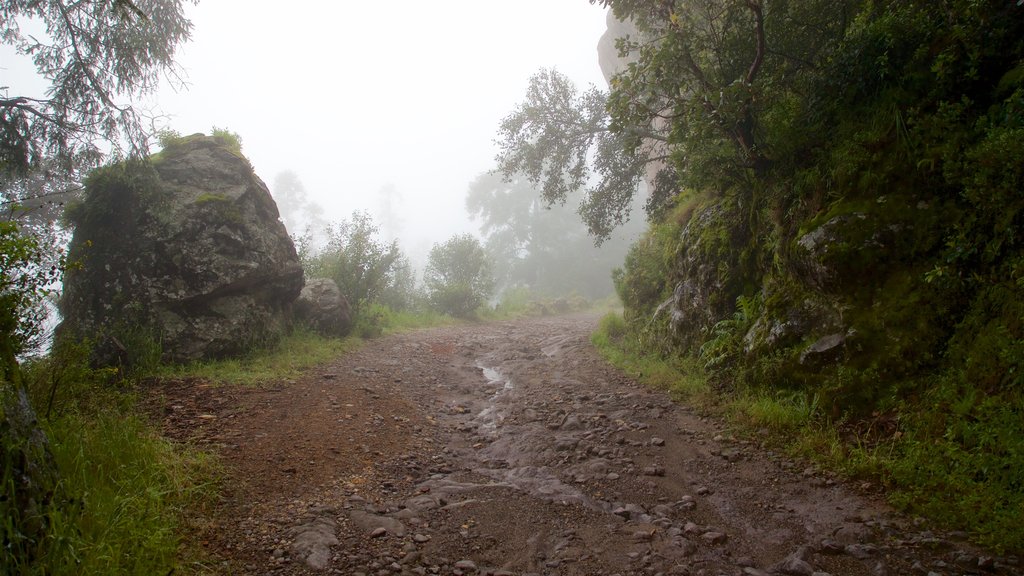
x=185, y=249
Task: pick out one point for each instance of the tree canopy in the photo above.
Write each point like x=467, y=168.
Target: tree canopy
x=96, y=57
x=705, y=96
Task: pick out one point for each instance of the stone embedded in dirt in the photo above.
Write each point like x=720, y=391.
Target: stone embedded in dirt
x=421, y=538
x=686, y=503
x=465, y=565
x=654, y=470
x=713, y=537
x=657, y=441
x=830, y=546
x=793, y=565
x=861, y=551
x=313, y=541
x=751, y=571
x=643, y=535
x=371, y=523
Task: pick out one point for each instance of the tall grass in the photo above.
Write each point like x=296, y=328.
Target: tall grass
x=124, y=496
x=684, y=378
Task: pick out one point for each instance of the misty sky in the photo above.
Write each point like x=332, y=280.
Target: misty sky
x=354, y=96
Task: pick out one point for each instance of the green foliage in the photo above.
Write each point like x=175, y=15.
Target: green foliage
x=860, y=186
x=726, y=344
x=558, y=139
x=25, y=281
x=680, y=375
x=228, y=138
x=520, y=301
x=458, y=276
x=365, y=268
x=124, y=494
x=121, y=50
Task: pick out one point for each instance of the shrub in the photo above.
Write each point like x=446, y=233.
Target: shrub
x=458, y=276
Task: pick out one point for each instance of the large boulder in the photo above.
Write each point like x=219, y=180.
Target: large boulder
x=323, y=307
x=185, y=250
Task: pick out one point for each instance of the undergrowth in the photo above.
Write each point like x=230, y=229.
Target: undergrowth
x=933, y=452
x=125, y=497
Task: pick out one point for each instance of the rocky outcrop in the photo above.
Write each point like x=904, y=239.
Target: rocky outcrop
x=607, y=52
x=185, y=250
x=323, y=307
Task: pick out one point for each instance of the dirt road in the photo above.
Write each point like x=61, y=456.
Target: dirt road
x=512, y=448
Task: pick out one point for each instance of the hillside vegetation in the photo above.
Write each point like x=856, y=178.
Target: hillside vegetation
x=848, y=232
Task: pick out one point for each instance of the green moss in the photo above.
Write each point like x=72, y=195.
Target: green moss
x=208, y=197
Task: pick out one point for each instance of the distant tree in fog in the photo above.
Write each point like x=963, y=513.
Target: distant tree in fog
x=298, y=212
x=389, y=198
x=564, y=142
x=545, y=248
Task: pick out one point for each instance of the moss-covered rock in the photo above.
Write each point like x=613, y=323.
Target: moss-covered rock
x=186, y=250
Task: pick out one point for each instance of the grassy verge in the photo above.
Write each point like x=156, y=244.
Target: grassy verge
x=125, y=497
x=939, y=455
x=294, y=354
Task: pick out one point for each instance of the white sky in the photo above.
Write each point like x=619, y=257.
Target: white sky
x=353, y=96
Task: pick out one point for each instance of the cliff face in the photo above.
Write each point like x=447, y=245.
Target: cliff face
x=607, y=54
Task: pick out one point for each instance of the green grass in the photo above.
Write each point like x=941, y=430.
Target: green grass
x=685, y=379
x=124, y=497
x=294, y=354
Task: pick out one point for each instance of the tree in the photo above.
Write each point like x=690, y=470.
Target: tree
x=298, y=212
x=543, y=248
x=559, y=139
x=96, y=56
x=696, y=105
x=458, y=275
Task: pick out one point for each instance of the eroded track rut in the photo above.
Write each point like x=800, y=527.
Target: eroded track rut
x=512, y=448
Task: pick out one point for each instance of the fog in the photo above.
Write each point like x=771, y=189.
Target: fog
x=370, y=99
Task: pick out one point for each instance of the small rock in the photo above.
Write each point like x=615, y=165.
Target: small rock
x=713, y=537
x=643, y=536
x=829, y=546
x=465, y=565
x=861, y=551
x=794, y=566
x=654, y=470
x=421, y=538
x=378, y=532
x=657, y=441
